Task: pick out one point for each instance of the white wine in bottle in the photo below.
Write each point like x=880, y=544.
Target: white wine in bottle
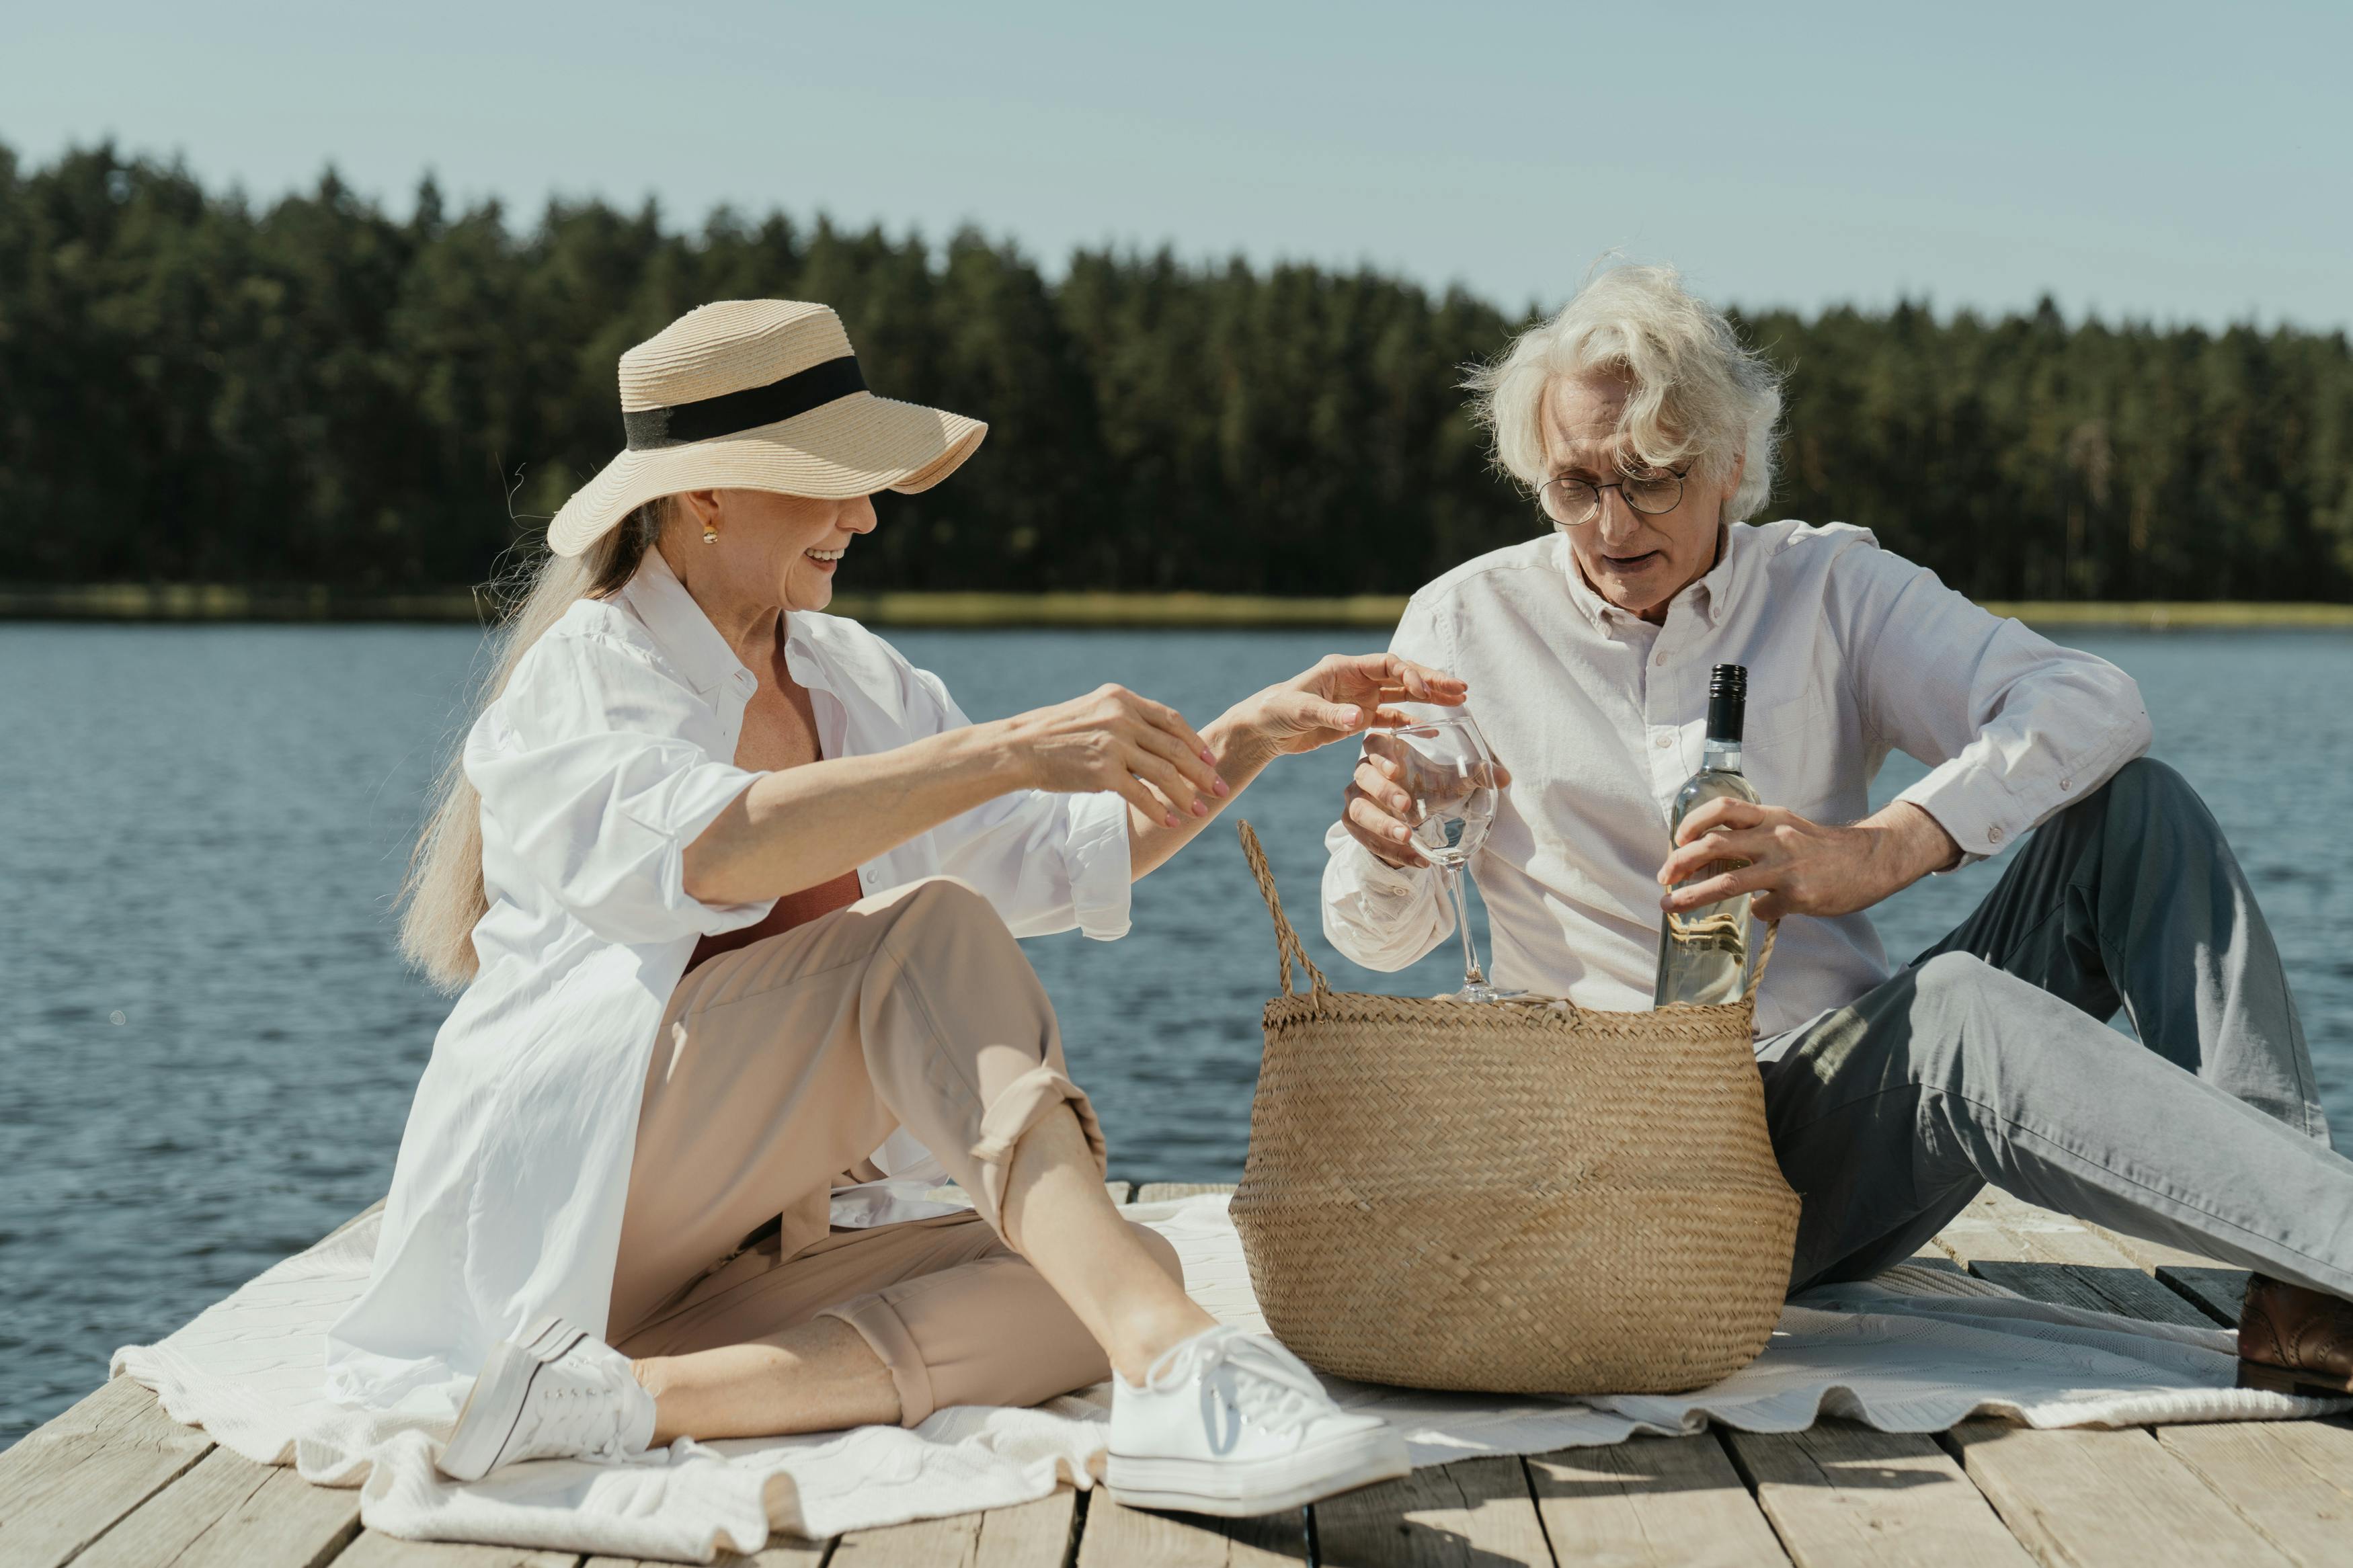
x=1703, y=950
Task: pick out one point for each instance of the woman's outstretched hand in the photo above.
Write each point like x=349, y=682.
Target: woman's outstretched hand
x=1346, y=694
x=1112, y=739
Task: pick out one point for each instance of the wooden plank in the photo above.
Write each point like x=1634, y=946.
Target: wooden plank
x=375, y=1550
x=1840, y=1494
x=781, y=1552
x=65, y=1483
x=2218, y=1292
x=2292, y=1480
x=951, y=1543
x=1167, y=1191
x=1997, y=1225
x=2124, y=1291
x=1117, y=1537
x=2088, y=1498
x=2054, y=1258
x=1031, y=1535
x=2038, y=1234
x=1651, y=1502
x=1472, y=1511
x=2151, y=1256
x=226, y=1511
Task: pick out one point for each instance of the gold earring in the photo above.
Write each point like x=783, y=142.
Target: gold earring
x=710, y=534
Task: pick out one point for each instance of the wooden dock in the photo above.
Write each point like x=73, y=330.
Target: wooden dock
x=114, y=1483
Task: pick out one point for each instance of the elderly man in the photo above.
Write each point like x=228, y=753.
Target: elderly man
x=1647, y=432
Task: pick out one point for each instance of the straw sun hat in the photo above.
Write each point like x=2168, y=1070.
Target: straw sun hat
x=761, y=394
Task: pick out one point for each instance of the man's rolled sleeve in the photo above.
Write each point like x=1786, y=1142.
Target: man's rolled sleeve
x=1377, y=914
x=2015, y=727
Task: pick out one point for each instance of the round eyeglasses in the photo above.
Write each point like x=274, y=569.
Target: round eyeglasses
x=1575, y=502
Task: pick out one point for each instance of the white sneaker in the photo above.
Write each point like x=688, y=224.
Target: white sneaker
x=1233, y=1423
x=556, y=1392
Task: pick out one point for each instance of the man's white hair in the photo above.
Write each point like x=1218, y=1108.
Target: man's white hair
x=1698, y=394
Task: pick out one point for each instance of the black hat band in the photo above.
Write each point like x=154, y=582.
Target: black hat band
x=651, y=429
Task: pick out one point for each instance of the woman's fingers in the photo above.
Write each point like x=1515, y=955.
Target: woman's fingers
x=1308, y=714
x=1139, y=795
x=1199, y=774
x=1424, y=684
x=1168, y=722
x=1164, y=775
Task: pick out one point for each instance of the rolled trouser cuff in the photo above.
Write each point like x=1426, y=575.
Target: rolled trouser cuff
x=1019, y=1107
x=887, y=1335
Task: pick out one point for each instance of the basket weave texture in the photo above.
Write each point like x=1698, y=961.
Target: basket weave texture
x=1522, y=1197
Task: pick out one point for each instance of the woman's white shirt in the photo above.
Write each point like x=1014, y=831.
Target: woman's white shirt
x=611, y=751
x=1852, y=652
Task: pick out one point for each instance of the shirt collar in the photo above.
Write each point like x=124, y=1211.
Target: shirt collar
x=659, y=600
x=1705, y=598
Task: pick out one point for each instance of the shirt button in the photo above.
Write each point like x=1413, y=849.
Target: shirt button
x=1993, y=835
x=2066, y=784
x=1662, y=658
x=1665, y=740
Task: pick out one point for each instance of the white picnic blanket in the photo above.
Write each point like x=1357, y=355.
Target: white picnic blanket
x=1915, y=1351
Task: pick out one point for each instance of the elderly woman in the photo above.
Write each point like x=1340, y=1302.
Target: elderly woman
x=1647, y=432
x=733, y=891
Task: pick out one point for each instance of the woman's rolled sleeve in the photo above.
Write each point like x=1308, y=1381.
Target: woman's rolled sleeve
x=580, y=782
x=1101, y=870
x=1047, y=862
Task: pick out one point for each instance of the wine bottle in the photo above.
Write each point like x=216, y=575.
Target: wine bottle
x=1703, y=950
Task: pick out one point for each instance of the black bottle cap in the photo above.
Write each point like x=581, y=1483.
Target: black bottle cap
x=1727, y=702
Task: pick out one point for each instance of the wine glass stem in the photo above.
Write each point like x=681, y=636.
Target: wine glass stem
x=1472, y=973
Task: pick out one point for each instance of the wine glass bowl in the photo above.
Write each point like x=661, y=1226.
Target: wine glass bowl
x=1448, y=772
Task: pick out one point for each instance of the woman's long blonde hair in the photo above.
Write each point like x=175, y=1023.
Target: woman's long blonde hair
x=441, y=896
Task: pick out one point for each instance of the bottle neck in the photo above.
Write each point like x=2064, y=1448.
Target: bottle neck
x=1720, y=755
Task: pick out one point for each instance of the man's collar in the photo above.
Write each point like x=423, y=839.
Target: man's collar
x=659, y=600
x=1712, y=592
x=1707, y=598
x=1598, y=611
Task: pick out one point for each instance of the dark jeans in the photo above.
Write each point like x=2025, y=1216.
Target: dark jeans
x=1988, y=1060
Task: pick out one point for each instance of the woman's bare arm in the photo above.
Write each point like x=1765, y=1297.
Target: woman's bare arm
x=803, y=826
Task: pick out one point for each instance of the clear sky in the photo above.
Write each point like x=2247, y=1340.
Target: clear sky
x=2180, y=162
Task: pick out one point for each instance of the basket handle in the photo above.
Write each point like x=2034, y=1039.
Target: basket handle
x=1286, y=940
x=1764, y=956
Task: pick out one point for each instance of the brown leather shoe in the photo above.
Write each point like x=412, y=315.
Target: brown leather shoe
x=2295, y=1341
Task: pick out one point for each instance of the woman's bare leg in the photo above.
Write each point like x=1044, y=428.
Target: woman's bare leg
x=819, y=1377
x=1056, y=1214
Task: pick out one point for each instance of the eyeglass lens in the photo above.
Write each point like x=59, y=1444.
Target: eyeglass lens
x=1575, y=501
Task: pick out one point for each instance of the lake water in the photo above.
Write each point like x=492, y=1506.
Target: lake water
x=208, y=1044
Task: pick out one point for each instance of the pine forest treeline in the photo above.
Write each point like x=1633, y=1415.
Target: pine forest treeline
x=197, y=388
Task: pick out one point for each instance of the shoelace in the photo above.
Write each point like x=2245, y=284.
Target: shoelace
x=1264, y=1382
x=578, y=1418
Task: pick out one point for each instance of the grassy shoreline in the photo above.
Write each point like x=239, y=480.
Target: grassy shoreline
x=137, y=601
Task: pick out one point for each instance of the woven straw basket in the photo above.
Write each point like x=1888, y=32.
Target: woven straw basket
x=1511, y=1197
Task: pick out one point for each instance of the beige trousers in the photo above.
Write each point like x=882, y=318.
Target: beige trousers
x=779, y=1069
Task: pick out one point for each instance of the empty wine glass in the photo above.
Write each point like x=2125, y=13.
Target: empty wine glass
x=1450, y=775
